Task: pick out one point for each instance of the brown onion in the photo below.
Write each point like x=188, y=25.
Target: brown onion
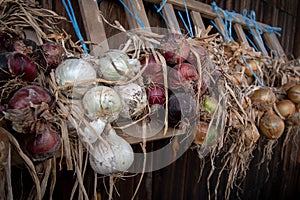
x=253, y=64
x=175, y=48
x=44, y=143
x=294, y=94
x=251, y=134
x=286, y=108
x=263, y=98
x=271, y=125
x=201, y=131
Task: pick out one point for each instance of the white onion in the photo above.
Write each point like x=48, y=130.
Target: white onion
x=89, y=137
x=118, y=158
x=102, y=102
x=73, y=71
x=115, y=66
x=134, y=99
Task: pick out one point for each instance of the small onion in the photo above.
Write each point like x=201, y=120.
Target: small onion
x=102, y=102
x=98, y=126
x=251, y=134
x=53, y=53
x=117, y=158
x=175, y=48
x=263, y=98
x=202, y=54
x=153, y=71
x=294, y=94
x=22, y=65
x=134, y=99
x=44, y=144
x=286, y=108
x=182, y=75
x=115, y=66
x=253, y=64
x=271, y=125
x=73, y=71
x=156, y=95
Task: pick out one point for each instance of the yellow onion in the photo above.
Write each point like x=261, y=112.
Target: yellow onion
x=294, y=94
x=251, y=134
x=271, y=125
x=286, y=108
x=253, y=64
x=263, y=98
x=201, y=131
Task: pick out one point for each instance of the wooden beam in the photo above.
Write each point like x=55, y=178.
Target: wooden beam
x=240, y=34
x=138, y=9
x=169, y=12
x=260, y=45
x=94, y=26
x=197, y=20
x=273, y=41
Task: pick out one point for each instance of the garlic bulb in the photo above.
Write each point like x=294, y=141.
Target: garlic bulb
x=102, y=102
x=114, y=66
x=117, y=158
x=72, y=71
x=89, y=137
x=134, y=99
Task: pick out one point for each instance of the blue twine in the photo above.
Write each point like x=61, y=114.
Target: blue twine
x=251, y=42
x=161, y=6
x=174, y=20
x=253, y=73
x=71, y=14
x=134, y=17
x=137, y=14
x=188, y=18
x=162, y=15
x=219, y=30
x=185, y=25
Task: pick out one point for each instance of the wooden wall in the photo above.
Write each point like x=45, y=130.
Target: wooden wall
x=180, y=179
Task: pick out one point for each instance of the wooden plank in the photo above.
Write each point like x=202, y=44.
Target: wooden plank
x=138, y=9
x=169, y=12
x=197, y=20
x=220, y=25
x=240, y=34
x=93, y=25
x=259, y=44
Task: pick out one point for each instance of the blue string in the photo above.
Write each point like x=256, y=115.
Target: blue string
x=188, y=18
x=129, y=11
x=162, y=15
x=251, y=42
x=72, y=17
x=219, y=30
x=162, y=6
x=255, y=76
x=174, y=20
x=185, y=25
x=137, y=13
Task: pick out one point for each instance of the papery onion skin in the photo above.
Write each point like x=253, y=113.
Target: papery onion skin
x=202, y=54
x=44, y=144
x=156, y=95
x=98, y=126
x=25, y=46
x=253, y=64
x=263, y=98
x=182, y=75
x=117, y=158
x=286, y=108
x=53, y=53
x=251, y=134
x=22, y=65
x=152, y=67
x=175, y=48
x=28, y=95
x=294, y=94
x=134, y=99
x=102, y=102
x=201, y=131
x=271, y=125
x=114, y=66
x=74, y=71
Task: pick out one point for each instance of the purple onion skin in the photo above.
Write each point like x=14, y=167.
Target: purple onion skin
x=22, y=65
x=181, y=75
x=4, y=71
x=29, y=94
x=181, y=106
x=53, y=54
x=175, y=48
x=25, y=46
x=156, y=95
x=202, y=54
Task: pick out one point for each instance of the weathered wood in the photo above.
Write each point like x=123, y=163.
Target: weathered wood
x=240, y=34
x=93, y=25
x=220, y=26
x=169, y=12
x=197, y=20
x=273, y=41
x=138, y=9
x=259, y=43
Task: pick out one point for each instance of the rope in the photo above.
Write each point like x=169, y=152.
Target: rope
x=139, y=21
x=185, y=25
x=162, y=15
x=253, y=73
x=161, y=6
x=188, y=18
x=71, y=14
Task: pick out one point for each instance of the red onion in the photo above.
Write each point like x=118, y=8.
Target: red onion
x=156, y=95
x=181, y=106
x=53, y=53
x=202, y=54
x=182, y=75
x=21, y=65
x=175, y=48
x=153, y=72
x=44, y=144
x=25, y=46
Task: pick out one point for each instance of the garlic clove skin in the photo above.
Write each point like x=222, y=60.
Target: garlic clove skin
x=117, y=158
x=73, y=71
x=90, y=137
x=134, y=99
x=102, y=102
